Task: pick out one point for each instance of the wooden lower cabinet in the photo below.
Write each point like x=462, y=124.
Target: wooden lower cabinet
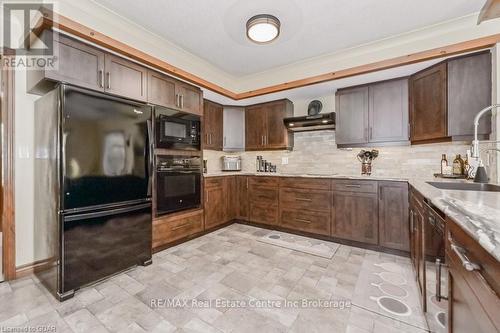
x=393, y=215
x=242, y=197
x=176, y=226
x=215, y=202
x=473, y=301
x=355, y=216
x=263, y=194
x=417, y=242
x=232, y=198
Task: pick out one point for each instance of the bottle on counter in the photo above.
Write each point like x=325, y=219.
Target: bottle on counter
x=458, y=165
x=444, y=164
x=467, y=166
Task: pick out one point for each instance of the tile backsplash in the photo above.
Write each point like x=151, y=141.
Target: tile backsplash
x=317, y=153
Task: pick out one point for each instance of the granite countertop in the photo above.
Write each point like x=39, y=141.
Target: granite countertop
x=478, y=213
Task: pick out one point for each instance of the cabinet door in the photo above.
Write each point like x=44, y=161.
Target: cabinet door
x=393, y=215
x=352, y=116
x=125, y=78
x=428, y=104
x=213, y=122
x=215, y=206
x=356, y=216
x=233, y=129
x=469, y=91
x=242, y=197
x=190, y=98
x=276, y=136
x=232, y=198
x=78, y=64
x=255, y=127
x=388, y=111
x=161, y=90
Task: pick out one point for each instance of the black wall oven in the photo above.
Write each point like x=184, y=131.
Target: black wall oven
x=176, y=130
x=178, y=183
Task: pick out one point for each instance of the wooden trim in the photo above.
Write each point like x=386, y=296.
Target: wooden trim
x=67, y=25
x=31, y=268
x=490, y=10
x=8, y=214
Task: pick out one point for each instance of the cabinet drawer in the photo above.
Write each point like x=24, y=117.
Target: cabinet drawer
x=263, y=180
x=365, y=186
x=171, y=228
x=305, y=199
x=313, y=222
x=214, y=182
x=309, y=183
x=264, y=194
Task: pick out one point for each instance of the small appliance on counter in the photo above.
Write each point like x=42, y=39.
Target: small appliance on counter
x=231, y=163
x=366, y=158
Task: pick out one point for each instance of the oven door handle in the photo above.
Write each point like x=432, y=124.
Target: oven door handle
x=150, y=157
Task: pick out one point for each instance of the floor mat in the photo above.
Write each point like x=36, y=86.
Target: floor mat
x=312, y=246
x=388, y=288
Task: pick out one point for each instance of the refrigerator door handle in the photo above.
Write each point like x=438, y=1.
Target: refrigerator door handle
x=106, y=212
x=150, y=157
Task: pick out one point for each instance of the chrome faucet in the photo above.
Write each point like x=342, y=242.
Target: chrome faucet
x=475, y=142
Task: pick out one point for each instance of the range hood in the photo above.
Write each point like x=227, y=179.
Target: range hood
x=322, y=121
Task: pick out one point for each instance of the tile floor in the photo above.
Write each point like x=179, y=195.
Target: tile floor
x=230, y=271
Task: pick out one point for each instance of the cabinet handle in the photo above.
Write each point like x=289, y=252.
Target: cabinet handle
x=265, y=139
x=303, y=221
x=224, y=141
x=303, y=199
x=177, y=100
x=261, y=140
x=370, y=133
x=108, y=74
x=101, y=78
x=439, y=297
x=247, y=182
x=210, y=135
x=207, y=199
x=412, y=228
x=380, y=194
x=461, y=253
x=182, y=226
x=355, y=186
x=181, y=98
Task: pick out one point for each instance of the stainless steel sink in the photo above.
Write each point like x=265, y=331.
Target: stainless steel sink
x=465, y=186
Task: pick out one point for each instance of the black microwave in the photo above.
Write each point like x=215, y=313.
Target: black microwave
x=177, y=130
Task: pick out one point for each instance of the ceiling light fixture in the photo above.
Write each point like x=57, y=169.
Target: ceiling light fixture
x=263, y=28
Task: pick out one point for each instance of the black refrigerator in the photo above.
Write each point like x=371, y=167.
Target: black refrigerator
x=93, y=179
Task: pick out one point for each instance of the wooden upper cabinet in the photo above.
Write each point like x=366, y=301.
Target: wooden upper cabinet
x=190, y=98
x=388, y=111
x=393, y=215
x=125, y=78
x=161, y=90
x=469, y=91
x=77, y=63
x=264, y=127
x=352, y=116
x=212, y=125
x=255, y=127
x=428, y=107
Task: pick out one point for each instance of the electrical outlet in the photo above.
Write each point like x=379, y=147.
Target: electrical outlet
x=284, y=160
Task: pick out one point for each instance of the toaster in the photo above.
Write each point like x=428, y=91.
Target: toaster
x=231, y=163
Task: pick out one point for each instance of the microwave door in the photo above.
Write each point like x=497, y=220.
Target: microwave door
x=174, y=130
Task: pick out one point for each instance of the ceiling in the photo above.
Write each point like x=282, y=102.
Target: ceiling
x=215, y=29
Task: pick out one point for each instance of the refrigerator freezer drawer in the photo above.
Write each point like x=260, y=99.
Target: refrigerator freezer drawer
x=99, y=244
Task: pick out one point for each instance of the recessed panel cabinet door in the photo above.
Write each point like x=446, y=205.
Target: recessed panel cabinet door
x=212, y=125
x=161, y=90
x=393, y=215
x=78, y=64
x=352, y=116
x=215, y=206
x=255, y=127
x=355, y=216
x=190, y=98
x=277, y=134
x=125, y=78
x=242, y=197
x=388, y=111
x=428, y=106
